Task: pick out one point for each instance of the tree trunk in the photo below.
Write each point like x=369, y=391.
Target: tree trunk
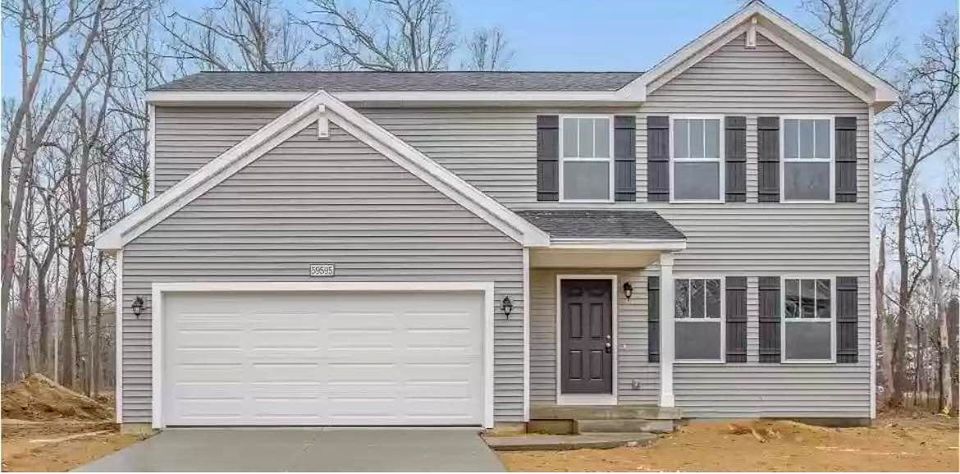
x=946, y=395
x=901, y=382
x=885, y=372
x=918, y=371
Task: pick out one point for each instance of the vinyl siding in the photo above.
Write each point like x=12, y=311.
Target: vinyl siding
x=495, y=150
x=310, y=201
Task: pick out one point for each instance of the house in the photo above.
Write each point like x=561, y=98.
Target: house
x=466, y=248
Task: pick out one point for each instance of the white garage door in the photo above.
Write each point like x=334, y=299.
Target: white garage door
x=323, y=358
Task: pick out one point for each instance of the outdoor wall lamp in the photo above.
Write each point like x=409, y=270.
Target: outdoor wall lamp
x=137, y=306
x=506, y=306
x=627, y=289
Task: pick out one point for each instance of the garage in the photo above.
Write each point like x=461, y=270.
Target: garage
x=346, y=355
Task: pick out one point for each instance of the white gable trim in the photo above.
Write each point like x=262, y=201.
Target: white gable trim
x=786, y=34
x=305, y=114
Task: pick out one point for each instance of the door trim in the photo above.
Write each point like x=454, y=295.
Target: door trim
x=587, y=398
x=156, y=319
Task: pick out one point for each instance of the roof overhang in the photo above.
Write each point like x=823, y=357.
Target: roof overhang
x=408, y=98
x=603, y=253
x=808, y=48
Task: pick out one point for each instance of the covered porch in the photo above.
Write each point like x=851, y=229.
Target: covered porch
x=591, y=342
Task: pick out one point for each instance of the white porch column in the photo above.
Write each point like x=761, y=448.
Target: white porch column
x=666, y=330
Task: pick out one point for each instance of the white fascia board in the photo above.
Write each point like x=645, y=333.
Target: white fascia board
x=618, y=97
x=289, y=124
x=666, y=245
x=878, y=92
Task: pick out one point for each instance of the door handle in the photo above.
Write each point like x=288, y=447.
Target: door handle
x=608, y=346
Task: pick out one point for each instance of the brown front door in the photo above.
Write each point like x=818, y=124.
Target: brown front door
x=586, y=336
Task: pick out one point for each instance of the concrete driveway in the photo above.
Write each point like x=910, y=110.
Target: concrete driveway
x=318, y=449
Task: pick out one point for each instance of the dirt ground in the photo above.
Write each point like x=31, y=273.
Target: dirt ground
x=47, y=427
x=895, y=443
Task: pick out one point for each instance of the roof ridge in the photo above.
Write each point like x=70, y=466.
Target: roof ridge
x=419, y=72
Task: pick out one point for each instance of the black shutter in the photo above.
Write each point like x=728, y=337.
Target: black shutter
x=736, y=319
x=847, y=319
x=625, y=158
x=769, y=319
x=653, y=319
x=735, y=157
x=768, y=156
x=658, y=158
x=846, y=159
x=548, y=158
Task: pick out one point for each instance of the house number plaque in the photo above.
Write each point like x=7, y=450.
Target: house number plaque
x=322, y=269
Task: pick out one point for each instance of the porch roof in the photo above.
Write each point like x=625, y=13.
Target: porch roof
x=620, y=224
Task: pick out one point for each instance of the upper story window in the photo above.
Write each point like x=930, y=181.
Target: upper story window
x=698, y=311
x=696, y=151
x=807, y=173
x=586, y=158
x=808, y=319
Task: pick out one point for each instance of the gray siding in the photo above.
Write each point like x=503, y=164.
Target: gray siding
x=495, y=149
x=311, y=201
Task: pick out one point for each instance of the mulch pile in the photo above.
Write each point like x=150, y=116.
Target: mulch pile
x=37, y=398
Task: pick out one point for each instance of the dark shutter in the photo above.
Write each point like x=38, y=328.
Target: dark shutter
x=625, y=158
x=736, y=319
x=658, y=158
x=653, y=319
x=847, y=319
x=548, y=158
x=735, y=157
x=768, y=156
x=769, y=319
x=846, y=159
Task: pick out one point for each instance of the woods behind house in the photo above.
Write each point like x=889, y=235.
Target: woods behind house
x=75, y=153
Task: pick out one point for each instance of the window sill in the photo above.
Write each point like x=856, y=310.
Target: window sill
x=699, y=361
x=587, y=201
x=697, y=201
x=807, y=201
x=808, y=362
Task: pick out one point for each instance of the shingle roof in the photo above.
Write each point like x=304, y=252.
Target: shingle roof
x=367, y=81
x=602, y=224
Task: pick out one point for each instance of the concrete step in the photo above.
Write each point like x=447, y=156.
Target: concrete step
x=602, y=412
x=534, y=442
x=625, y=426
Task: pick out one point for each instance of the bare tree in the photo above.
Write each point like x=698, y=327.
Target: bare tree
x=388, y=35
x=939, y=314
x=248, y=35
x=488, y=50
x=910, y=133
x=852, y=25
x=45, y=30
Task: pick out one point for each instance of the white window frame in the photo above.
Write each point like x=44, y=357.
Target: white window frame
x=723, y=317
x=831, y=161
x=608, y=160
x=721, y=171
x=833, y=319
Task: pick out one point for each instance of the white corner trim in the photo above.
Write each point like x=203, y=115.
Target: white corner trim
x=874, y=253
x=747, y=18
x=526, y=334
x=289, y=124
x=156, y=319
x=587, y=398
x=118, y=338
x=152, y=150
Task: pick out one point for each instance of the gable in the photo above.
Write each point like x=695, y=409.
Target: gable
x=753, y=80
x=330, y=198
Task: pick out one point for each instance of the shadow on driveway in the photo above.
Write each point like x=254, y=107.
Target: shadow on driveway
x=317, y=449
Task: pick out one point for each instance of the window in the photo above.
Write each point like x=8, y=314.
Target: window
x=697, y=147
x=807, y=159
x=586, y=155
x=698, y=311
x=808, y=319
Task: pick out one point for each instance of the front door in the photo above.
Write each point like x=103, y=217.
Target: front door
x=586, y=336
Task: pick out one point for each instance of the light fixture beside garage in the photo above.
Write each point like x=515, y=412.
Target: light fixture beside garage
x=506, y=306
x=627, y=289
x=137, y=306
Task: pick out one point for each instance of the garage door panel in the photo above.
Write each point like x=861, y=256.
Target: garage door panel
x=323, y=358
